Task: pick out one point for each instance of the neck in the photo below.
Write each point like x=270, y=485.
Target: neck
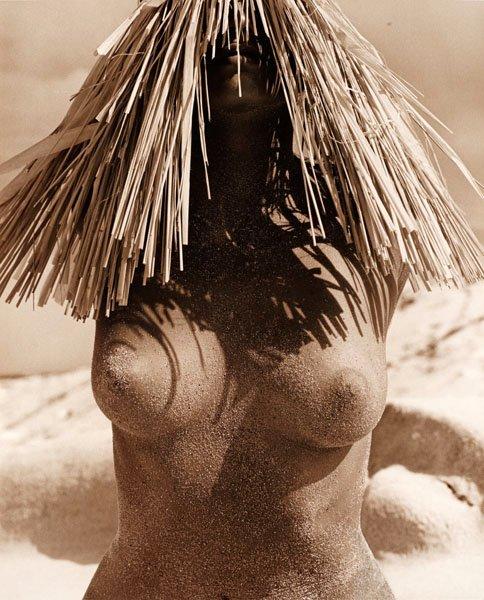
x=239, y=146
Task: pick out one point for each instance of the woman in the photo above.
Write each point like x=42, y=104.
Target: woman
x=244, y=393
x=243, y=390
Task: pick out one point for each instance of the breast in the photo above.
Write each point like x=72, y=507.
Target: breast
x=326, y=398
x=323, y=398
x=290, y=345
x=155, y=376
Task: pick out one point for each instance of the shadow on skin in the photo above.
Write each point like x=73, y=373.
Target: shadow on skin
x=262, y=301
x=252, y=278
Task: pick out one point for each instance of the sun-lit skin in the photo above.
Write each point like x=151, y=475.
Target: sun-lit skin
x=244, y=393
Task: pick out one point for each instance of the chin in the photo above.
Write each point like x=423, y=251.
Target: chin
x=249, y=90
x=253, y=95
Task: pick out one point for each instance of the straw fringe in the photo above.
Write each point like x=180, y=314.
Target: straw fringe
x=114, y=177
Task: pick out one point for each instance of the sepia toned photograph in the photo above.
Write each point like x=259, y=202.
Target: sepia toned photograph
x=241, y=300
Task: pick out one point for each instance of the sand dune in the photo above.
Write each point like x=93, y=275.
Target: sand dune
x=424, y=503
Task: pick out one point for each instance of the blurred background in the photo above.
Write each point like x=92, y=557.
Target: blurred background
x=47, y=48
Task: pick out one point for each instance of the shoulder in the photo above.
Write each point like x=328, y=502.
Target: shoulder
x=374, y=292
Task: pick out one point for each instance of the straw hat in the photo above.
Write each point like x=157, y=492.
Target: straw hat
x=97, y=196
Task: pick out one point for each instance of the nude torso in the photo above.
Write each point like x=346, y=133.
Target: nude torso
x=243, y=396
x=241, y=459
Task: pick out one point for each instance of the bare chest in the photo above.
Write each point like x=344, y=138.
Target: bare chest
x=298, y=347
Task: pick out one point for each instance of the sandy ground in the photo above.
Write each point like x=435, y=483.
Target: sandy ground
x=423, y=510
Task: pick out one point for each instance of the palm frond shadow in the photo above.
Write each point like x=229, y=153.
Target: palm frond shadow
x=258, y=294
x=260, y=319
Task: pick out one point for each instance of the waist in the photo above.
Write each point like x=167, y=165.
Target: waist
x=204, y=499
x=209, y=570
